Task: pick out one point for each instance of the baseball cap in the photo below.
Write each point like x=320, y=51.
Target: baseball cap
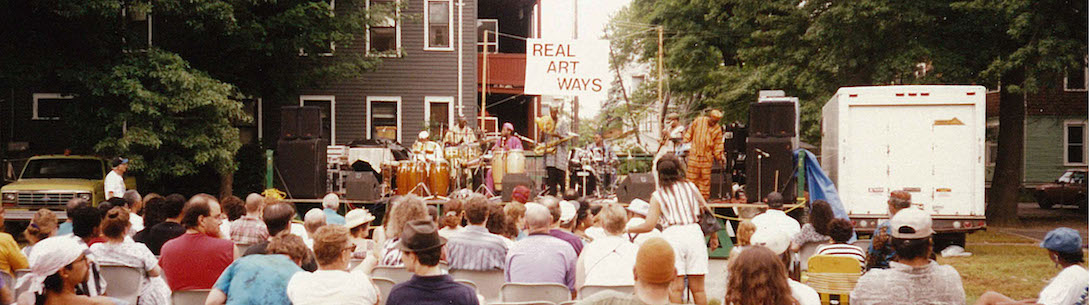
x=1062, y=240
x=639, y=206
x=911, y=224
x=772, y=238
x=567, y=210
x=118, y=161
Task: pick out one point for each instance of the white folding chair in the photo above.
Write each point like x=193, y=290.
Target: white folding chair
x=488, y=283
x=125, y=282
x=189, y=297
x=19, y=273
x=384, y=287
x=9, y=280
x=397, y=274
x=589, y=290
x=526, y=292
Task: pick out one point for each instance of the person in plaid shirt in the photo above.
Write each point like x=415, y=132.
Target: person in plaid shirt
x=250, y=229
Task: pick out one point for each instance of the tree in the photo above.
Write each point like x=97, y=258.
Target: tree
x=171, y=107
x=1043, y=39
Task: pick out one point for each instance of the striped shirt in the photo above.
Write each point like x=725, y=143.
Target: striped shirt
x=680, y=204
x=474, y=248
x=847, y=250
x=391, y=254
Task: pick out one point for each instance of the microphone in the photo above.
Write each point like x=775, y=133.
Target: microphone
x=761, y=152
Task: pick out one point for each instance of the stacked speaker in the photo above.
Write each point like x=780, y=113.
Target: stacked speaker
x=301, y=152
x=769, y=148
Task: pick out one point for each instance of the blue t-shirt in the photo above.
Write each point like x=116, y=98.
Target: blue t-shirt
x=64, y=228
x=258, y=279
x=331, y=217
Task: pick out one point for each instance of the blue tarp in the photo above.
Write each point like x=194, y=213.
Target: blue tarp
x=819, y=185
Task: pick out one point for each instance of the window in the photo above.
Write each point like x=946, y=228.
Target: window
x=384, y=37
x=439, y=24
x=439, y=116
x=1074, y=143
x=49, y=106
x=1077, y=80
x=492, y=25
x=636, y=81
x=328, y=105
x=384, y=117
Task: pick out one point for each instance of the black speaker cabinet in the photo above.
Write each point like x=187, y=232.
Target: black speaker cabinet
x=300, y=122
x=510, y=181
x=720, y=185
x=301, y=163
x=760, y=170
x=361, y=185
x=635, y=186
x=772, y=119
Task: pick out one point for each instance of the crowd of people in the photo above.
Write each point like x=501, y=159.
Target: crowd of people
x=254, y=251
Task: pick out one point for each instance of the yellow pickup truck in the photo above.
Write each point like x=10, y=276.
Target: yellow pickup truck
x=49, y=181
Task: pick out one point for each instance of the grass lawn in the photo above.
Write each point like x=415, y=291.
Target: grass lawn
x=1006, y=263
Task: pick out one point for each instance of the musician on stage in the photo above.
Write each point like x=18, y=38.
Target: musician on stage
x=705, y=135
x=670, y=139
x=462, y=133
x=425, y=149
x=604, y=162
x=507, y=141
x=556, y=161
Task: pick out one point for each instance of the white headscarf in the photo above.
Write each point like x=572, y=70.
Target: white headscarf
x=49, y=255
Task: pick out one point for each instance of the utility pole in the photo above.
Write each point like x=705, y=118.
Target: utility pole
x=484, y=82
x=661, y=79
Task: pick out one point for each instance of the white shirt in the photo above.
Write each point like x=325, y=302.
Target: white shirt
x=1066, y=288
x=331, y=287
x=138, y=224
x=804, y=294
x=608, y=261
x=113, y=185
x=777, y=219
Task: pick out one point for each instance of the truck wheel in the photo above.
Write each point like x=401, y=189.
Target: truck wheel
x=1042, y=200
x=943, y=240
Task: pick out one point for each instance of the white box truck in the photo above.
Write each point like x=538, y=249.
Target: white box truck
x=927, y=140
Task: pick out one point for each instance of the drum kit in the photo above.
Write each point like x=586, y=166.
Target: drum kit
x=439, y=177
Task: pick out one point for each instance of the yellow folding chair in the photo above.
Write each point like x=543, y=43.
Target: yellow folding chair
x=833, y=277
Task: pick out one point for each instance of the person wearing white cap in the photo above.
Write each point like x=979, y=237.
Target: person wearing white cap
x=358, y=222
x=637, y=213
x=57, y=265
x=778, y=241
x=913, y=278
x=330, y=203
x=425, y=149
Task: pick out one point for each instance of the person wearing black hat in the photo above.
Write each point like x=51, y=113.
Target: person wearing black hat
x=114, y=184
x=422, y=247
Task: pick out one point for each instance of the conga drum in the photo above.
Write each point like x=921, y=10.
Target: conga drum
x=420, y=175
x=438, y=179
x=405, y=177
x=516, y=162
x=499, y=168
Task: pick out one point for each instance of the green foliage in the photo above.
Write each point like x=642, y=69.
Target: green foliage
x=153, y=102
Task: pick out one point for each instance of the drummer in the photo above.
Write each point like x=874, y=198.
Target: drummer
x=425, y=149
x=507, y=141
x=604, y=161
x=460, y=134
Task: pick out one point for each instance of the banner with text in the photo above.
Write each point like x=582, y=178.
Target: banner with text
x=568, y=67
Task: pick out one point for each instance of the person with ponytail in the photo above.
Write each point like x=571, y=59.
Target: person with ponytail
x=42, y=226
x=121, y=251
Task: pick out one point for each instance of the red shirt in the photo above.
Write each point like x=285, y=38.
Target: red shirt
x=195, y=260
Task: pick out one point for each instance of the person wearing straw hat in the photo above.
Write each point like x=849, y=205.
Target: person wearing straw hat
x=358, y=222
x=57, y=266
x=422, y=247
x=707, y=141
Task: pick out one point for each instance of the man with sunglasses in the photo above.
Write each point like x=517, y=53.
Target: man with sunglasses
x=332, y=283
x=195, y=259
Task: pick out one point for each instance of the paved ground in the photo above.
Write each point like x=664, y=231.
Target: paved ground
x=1036, y=222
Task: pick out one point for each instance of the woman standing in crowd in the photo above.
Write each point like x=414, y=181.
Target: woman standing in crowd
x=816, y=230
x=676, y=205
x=405, y=209
x=120, y=251
x=42, y=226
x=758, y=277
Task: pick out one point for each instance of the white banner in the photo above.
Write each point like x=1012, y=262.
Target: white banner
x=568, y=67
